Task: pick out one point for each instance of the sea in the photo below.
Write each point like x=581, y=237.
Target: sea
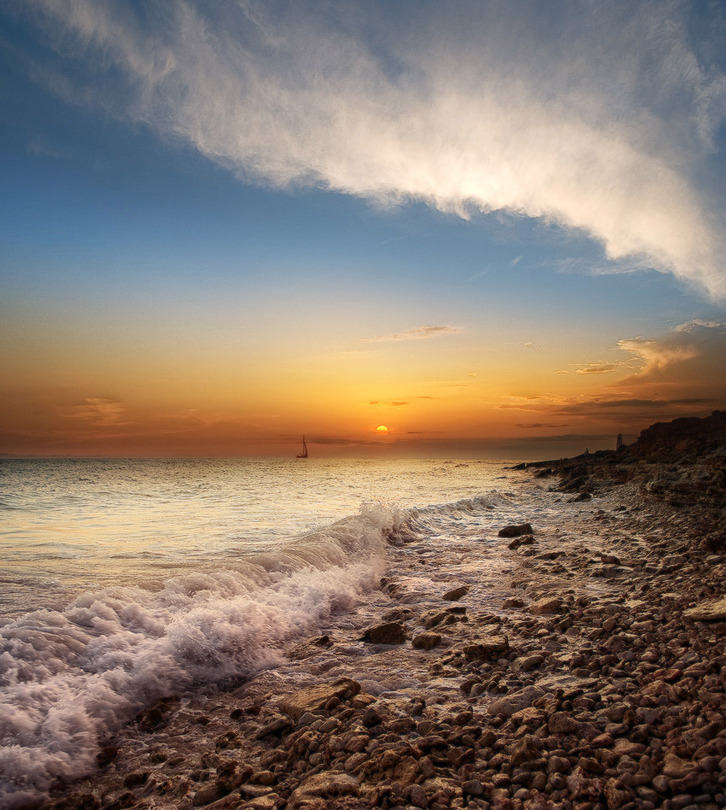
x=122, y=581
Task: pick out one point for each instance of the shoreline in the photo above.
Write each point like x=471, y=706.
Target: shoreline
x=559, y=669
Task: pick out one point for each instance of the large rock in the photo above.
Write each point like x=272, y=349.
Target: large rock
x=314, y=698
x=516, y=530
x=713, y=611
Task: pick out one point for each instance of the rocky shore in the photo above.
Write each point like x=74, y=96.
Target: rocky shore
x=582, y=664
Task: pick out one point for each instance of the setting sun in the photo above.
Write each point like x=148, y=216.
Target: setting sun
x=381, y=429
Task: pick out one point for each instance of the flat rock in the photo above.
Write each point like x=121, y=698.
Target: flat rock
x=712, y=611
x=314, y=698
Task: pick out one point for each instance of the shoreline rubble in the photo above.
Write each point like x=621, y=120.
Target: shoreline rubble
x=589, y=671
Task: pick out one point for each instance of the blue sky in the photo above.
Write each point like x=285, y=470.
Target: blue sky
x=202, y=201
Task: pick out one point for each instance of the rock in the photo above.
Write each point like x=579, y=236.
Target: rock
x=325, y=785
x=509, y=704
x=712, y=611
x=455, y=594
x=208, y=794
x=562, y=723
x=314, y=698
x=386, y=633
x=150, y=719
x=513, y=602
x=426, y=641
x=486, y=647
x=546, y=606
x=527, y=663
x=523, y=540
x=675, y=767
x=524, y=750
x=617, y=794
x=516, y=529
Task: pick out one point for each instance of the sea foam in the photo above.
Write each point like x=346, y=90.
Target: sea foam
x=70, y=678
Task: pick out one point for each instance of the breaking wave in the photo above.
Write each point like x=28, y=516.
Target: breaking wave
x=71, y=677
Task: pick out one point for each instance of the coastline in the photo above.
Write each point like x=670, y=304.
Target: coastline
x=574, y=676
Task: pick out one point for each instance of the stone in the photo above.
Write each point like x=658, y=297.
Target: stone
x=546, y=606
x=486, y=647
x=524, y=750
x=314, y=698
x=562, y=723
x=516, y=529
x=675, y=767
x=456, y=593
x=515, y=701
x=711, y=611
x=325, y=785
x=386, y=633
x=617, y=794
x=426, y=641
x=523, y=540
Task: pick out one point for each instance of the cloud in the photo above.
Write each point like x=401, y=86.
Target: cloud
x=690, y=357
x=602, y=118
x=529, y=425
x=393, y=402
x=99, y=412
x=596, y=368
x=415, y=334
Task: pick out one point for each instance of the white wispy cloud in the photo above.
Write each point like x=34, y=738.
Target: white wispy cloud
x=418, y=333
x=598, y=117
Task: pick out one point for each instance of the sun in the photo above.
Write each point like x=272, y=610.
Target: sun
x=381, y=429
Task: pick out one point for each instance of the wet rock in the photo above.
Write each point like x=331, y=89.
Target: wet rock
x=150, y=719
x=546, y=606
x=426, y=641
x=712, y=611
x=516, y=530
x=456, y=593
x=386, y=633
x=315, y=698
x=523, y=540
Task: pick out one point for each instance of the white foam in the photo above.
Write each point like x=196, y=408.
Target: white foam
x=71, y=677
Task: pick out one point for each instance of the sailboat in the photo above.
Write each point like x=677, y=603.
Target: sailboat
x=304, y=453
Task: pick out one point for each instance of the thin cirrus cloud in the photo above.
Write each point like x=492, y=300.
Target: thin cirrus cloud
x=600, y=118
x=418, y=333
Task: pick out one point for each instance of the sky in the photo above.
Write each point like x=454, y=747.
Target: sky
x=495, y=228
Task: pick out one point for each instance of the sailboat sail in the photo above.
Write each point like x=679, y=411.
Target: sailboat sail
x=304, y=453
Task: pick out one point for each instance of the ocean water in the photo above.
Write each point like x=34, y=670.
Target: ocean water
x=124, y=580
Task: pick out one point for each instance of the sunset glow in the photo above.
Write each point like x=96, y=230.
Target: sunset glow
x=496, y=228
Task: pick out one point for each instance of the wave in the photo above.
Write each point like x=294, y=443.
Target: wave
x=71, y=677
